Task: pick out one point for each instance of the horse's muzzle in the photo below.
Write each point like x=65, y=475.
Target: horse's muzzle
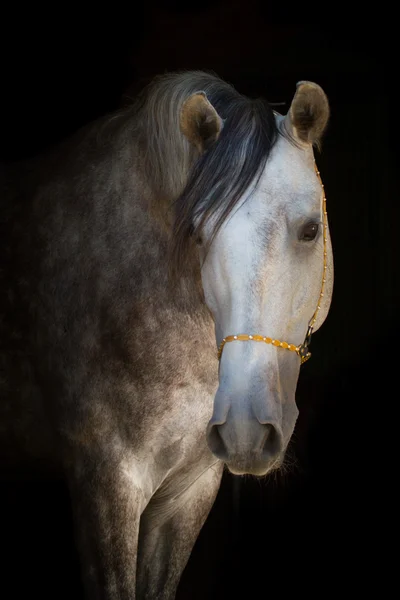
x=245, y=444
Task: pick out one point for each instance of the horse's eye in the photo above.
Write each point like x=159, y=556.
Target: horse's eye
x=309, y=232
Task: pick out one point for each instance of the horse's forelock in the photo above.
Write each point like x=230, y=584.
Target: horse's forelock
x=186, y=188
x=220, y=178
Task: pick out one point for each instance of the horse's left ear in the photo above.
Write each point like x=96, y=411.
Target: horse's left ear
x=200, y=122
x=309, y=113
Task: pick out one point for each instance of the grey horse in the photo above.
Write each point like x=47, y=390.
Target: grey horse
x=192, y=220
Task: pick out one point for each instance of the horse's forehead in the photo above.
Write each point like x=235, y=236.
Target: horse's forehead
x=289, y=162
x=289, y=180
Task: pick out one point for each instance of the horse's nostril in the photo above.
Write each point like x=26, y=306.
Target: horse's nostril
x=271, y=443
x=216, y=443
x=268, y=432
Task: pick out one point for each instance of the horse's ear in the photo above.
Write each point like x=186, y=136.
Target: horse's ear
x=309, y=113
x=200, y=122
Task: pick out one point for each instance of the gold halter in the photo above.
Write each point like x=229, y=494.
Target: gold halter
x=302, y=351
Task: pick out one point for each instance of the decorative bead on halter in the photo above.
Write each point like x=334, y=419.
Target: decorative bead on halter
x=302, y=351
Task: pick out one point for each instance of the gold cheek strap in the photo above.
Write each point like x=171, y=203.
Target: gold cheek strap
x=302, y=351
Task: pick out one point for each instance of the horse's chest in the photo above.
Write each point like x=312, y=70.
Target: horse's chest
x=175, y=438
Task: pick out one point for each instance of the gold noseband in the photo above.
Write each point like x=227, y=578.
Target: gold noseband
x=302, y=351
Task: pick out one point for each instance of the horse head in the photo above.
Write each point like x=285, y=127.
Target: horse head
x=267, y=276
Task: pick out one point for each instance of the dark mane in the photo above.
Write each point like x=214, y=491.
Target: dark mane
x=218, y=178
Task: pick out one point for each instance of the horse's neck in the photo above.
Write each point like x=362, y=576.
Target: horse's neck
x=182, y=297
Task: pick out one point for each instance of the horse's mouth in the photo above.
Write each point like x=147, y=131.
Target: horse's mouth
x=253, y=465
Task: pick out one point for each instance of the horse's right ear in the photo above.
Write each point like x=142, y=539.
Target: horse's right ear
x=200, y=122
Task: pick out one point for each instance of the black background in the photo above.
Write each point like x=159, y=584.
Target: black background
x=327, y=525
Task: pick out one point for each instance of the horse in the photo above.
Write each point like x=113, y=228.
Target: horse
x=163, y=270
